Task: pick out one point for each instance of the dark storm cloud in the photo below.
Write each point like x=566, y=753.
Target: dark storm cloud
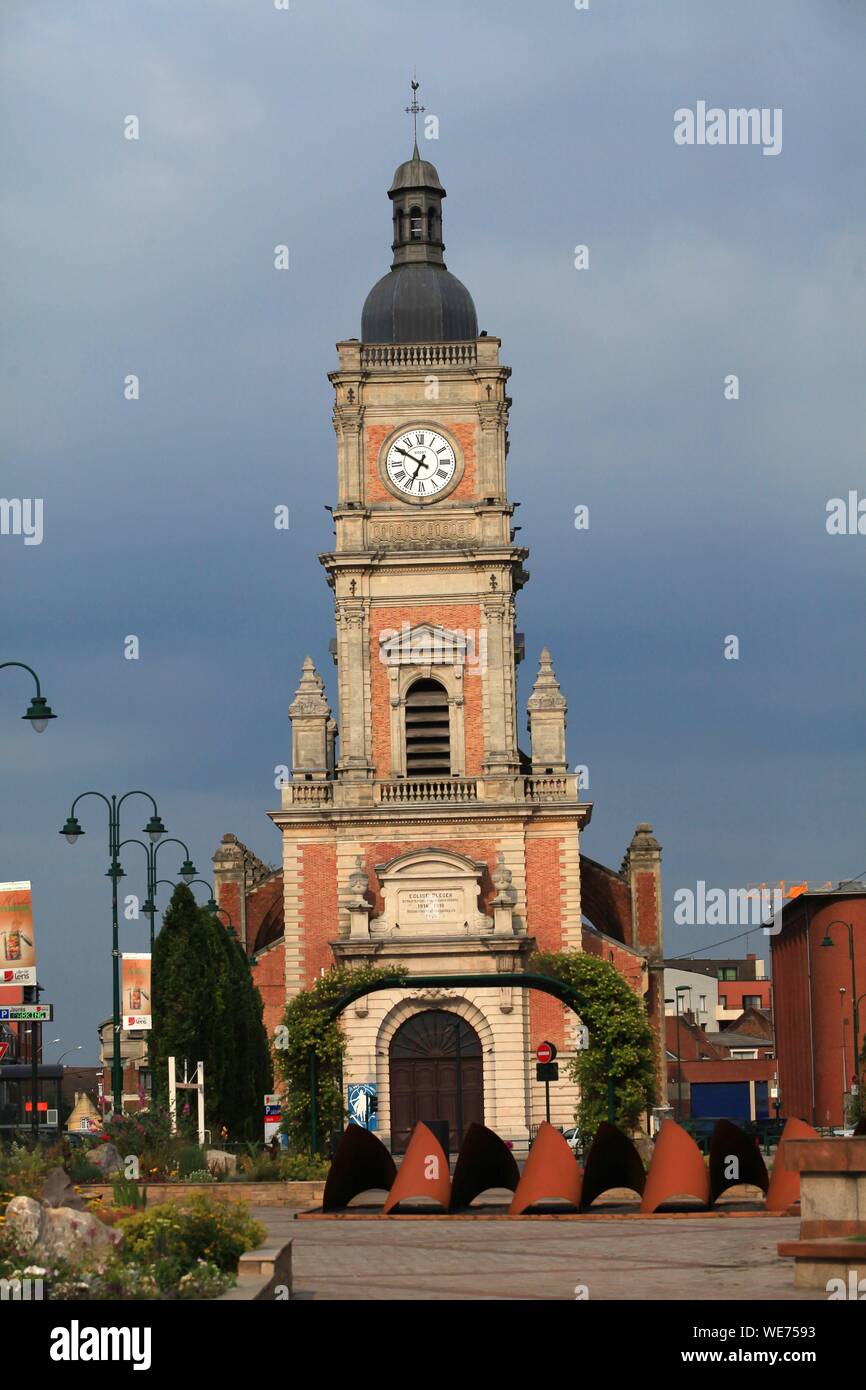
x=155, y=257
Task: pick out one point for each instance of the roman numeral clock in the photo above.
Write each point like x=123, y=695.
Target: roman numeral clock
x=420, y=463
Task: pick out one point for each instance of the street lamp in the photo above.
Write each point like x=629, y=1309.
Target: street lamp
x=73, y=831
x=38, y=711
x=67, y=1053
x=213, y=906
x=855, y=1002
x=680, y=989
x=187, y=872
x=32, y=1032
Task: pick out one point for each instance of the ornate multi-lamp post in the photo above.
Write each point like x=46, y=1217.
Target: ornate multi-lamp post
x=187, y=872
x=154, y=830
x=38, y=711
x=211, y=904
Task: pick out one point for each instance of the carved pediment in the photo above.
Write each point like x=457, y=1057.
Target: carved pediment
x=426, y=645
x=431, y=892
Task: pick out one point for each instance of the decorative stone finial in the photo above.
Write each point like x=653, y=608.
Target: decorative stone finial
x=643, y=838
x=312, y=727
x=359, y=881
x=502, y=877
x=547, y=708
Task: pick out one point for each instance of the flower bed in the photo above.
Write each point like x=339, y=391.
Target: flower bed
x=178, y=1249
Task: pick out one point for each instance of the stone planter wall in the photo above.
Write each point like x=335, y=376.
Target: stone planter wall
x=259, y=1194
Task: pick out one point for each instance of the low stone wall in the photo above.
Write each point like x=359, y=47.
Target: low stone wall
x=264, y=1275
x=258, y=1194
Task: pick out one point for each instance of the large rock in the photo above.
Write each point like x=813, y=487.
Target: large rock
x=106, y=1158
x=218, y=1158
x=59, y=1233
x=58, y=1190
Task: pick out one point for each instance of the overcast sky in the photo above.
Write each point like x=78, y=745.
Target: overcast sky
x=707, y=516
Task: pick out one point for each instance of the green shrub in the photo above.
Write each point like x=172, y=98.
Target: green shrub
x=125, y=1192
x=23, y=1169
x=199, y=1228
x=80, y=1168
x=191, y=1158
x=301, y=1168
x=258, y=1167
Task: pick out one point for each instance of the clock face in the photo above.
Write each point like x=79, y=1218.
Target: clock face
x=420, y=463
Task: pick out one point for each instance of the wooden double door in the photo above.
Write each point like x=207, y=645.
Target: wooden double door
x=436, y=1072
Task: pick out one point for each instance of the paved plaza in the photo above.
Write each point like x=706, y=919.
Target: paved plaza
x=440, y=1258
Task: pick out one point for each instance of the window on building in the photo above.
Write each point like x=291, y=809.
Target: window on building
x=727, y=972
x=703, y=1004
x=416, y=224
x=723, y=1001
x=744, y=1054
x=428, y=738
x=751, y=1001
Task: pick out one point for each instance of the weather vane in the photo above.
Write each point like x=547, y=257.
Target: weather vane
x=414, y=110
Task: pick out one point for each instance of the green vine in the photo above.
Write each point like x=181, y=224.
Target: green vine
x=618, y=1023
x=306, y=1024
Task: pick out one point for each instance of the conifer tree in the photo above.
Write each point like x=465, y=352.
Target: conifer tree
x=206, y=1008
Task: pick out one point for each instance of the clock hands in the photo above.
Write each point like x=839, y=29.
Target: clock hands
x=419, y=462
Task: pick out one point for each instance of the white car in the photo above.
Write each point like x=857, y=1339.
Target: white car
x=572, y=1139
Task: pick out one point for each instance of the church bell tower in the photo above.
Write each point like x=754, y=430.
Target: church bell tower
x=415, y=830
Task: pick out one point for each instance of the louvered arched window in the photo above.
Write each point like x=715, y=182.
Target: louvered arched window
x=428, y=738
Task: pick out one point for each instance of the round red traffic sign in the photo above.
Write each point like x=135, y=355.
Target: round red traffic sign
x=545, y=1052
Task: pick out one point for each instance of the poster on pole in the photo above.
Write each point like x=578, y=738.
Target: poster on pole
x=135, y=989
x=273, y=1117
x=17, y=938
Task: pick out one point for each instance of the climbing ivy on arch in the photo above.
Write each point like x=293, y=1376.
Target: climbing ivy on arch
x=309, y=1026
x=620, y=1038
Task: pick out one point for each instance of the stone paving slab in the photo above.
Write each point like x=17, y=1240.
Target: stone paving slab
x=440, y=1258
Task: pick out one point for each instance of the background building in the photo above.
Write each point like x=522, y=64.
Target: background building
x=820, y=989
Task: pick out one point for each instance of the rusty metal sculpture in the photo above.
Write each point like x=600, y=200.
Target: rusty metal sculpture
x=484, y=1161
x=424, y=1172
x=612, y=1161
x=677, y=1169
x=361, y=1162
x=784, y=1189
x=551, y=1172
x=734, y=1159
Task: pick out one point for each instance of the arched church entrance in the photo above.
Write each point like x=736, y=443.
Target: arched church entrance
x=436, y=1073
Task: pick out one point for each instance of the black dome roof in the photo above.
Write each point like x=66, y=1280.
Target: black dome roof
x=418, y=303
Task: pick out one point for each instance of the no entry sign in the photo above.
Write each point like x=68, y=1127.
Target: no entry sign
x=545, y=1052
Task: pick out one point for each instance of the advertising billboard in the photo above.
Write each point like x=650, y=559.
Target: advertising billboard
x=135, y=990
x=17, y=939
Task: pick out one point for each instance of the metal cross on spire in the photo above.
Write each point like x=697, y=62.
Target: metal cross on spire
x=415, y=110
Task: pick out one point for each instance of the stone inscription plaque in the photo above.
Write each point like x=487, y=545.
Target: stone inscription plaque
x=419, y=906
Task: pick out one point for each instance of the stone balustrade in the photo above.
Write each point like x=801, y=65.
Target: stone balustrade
x=389, y=355
x=562, y=788
x=412, y=792
x=308, y=793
